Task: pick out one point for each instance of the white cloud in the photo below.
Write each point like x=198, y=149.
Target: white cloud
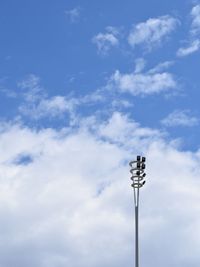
x=152, y=31
x=194, y=42
x=30, y=82
x=143, y=83
x=180, y=118
x=139, y=65
x=105, y=41
x=193, y=47
x=37, y=104
x=161, y=67
x=30, y=86
x=115, y=31
x=195, y=14
x=56, y=104
x=49, y=107
x=73, y=203
x=73, y=14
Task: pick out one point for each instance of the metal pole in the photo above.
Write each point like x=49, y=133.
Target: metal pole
x=136, y=238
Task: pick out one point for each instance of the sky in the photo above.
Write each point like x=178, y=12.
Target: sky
x=85, y=87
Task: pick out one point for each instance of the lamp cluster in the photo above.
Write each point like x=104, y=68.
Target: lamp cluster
x=137, y=172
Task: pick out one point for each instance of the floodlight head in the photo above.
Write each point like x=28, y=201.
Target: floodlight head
x=143, y=166
x=138, y=173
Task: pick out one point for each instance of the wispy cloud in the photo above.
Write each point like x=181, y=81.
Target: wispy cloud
x=51, y=107
x=190, y=49
x=143, y=83
x=194, y=41
x=5, y=90
x=195, y=15
x=37, y=104
x=31, y=88
x=73, y=14
x=105, y=41
x=180, y=118
x=152, y=32
x=161, y=67
x=139, y=65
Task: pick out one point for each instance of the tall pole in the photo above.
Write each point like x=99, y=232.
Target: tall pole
x=136, y=238
x=137, y=172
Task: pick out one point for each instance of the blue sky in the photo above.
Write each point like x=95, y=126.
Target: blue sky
x=84, y=87
x=46, y=40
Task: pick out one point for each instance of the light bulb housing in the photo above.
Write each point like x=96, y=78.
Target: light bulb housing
x=143, y=166
x=138, y=158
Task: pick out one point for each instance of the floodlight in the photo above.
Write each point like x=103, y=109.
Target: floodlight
x=137, y=177
x=143, y=166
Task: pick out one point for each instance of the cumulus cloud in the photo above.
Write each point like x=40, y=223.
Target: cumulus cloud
x=180, y=118
x=105, y=41
x=118, y=128
x=73, y=14
x=152, y=32
x=73, y=202
x=143, y=83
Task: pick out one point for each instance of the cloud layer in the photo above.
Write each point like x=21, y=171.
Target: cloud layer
x=73, y=202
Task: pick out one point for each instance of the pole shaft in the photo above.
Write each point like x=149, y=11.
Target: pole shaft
x=136, y=238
